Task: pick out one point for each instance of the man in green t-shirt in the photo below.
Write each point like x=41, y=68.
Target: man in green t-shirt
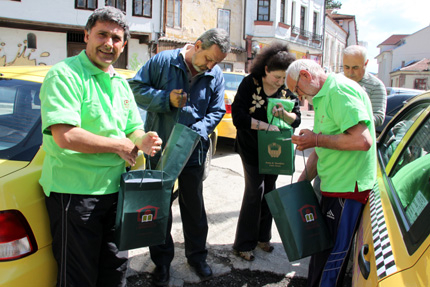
x=344, y=158
x=91, y=127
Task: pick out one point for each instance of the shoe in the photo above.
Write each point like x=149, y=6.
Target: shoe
x=161, y=275
x=202, y=269
x=266, y=246
x=247, y=255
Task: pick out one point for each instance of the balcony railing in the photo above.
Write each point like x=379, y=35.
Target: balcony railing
x=302, y=32
x=304, y=35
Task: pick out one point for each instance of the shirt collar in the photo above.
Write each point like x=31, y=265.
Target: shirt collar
x=89, y=66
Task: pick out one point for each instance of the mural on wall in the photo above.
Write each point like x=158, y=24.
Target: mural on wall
x=21, y=58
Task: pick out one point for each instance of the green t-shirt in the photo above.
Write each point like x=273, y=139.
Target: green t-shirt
x=77, y=93
x=339, y=105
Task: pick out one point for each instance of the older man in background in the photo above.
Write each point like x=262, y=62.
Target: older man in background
x=354, y=67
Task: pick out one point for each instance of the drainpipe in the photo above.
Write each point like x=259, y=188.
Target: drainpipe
x=162, y=32
x=323, y=36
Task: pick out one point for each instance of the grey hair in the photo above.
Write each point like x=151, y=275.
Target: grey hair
x=356, y=50
x=303, y=64
x=215, y=36
x=109, y=14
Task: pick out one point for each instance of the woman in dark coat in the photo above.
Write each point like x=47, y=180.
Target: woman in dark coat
x=249, y=111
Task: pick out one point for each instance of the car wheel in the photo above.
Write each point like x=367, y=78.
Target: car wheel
x=207, y=164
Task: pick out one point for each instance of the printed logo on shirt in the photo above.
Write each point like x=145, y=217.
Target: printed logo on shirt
x=126, y=104
x=330, y=214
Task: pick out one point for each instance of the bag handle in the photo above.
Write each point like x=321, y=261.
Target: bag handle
x=304, y=161
x=180, y=109
x=148, y=164
x=200, y=140
x=271, y=121
x=270, y=124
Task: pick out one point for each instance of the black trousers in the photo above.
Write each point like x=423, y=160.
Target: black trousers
x=255, y=220
x=194, y=221
x=82, y=228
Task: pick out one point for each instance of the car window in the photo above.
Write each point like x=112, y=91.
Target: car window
x=411, y=174
x=232, y=81
x=19, y=113
x=393, y=136
x=410, y=179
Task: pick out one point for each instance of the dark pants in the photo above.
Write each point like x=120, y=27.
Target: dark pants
x=255, y=219
x=342, y=216
x=82, y=228
x=194, y=221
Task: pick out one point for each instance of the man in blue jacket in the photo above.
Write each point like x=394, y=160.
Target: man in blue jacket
x=186, y=86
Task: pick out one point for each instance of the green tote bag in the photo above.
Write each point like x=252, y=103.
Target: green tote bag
x=143, y=208
x=275, y=152
x=299, y=220
x=179, y=147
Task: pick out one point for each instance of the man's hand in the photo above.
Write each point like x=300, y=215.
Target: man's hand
x=306, y=139
x=128, y=151
x=149, y=143
x=178, y=98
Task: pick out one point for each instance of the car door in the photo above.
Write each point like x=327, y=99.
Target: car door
x=392, y=242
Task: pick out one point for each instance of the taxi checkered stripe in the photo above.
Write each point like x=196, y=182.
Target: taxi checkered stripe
x=384, y=258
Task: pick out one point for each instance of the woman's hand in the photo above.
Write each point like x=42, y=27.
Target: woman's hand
x=271, y=128
x=278, y=111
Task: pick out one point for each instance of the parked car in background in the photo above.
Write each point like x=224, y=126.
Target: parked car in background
x=396, y=90
x=396, y=99
x=232, y=82
x=392, y=246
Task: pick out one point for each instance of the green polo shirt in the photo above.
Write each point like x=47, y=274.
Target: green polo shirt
x=339, y=105
x=77, y=93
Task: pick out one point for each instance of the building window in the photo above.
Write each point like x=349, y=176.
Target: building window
x=420, y=84
x=282, y=20
x=31, y=41
x=315, y=22
x=174, y=13
x=263, y=13
x=228, y=67
x=86, y=4
x=120, y=4
x=302, y=18
x=224, y=19
x=142, y=8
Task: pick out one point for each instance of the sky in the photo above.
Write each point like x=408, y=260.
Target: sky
x=379, y=19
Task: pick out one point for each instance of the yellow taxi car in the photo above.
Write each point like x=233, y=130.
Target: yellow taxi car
x=392, y=246
x=25, y=240
x=232, y=82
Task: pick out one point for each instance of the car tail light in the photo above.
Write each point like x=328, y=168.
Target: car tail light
x=16, y=238
x=227, y=106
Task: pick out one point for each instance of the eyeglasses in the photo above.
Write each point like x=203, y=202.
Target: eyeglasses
x=297, y=87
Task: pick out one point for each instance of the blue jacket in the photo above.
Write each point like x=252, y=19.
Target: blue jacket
x=204, y=110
